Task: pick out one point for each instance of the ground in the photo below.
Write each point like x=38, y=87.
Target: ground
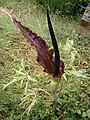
x=24, y=88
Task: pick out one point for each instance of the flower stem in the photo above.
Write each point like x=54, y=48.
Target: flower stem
x=54, y=87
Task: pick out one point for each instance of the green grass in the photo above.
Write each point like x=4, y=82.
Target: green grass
x=26, y=94
x=71, y=7
x=61, y=5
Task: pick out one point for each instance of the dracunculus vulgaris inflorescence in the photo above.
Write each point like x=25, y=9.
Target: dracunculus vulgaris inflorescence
x=52, y=65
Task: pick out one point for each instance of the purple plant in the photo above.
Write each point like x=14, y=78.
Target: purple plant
x=51, y=65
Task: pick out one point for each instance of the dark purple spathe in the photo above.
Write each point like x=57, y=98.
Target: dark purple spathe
x=45, y=55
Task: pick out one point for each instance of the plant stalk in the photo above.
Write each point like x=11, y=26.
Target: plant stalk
x=54, y=87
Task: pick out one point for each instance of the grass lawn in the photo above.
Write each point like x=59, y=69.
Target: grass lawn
x=24, y=88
